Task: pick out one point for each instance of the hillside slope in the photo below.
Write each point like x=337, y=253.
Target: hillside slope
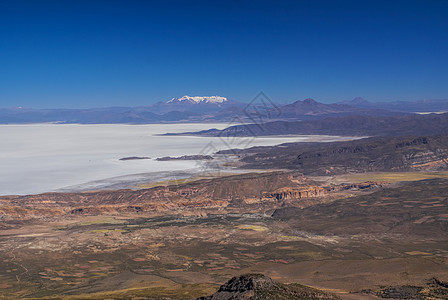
x=413, y=209
x=371, y=154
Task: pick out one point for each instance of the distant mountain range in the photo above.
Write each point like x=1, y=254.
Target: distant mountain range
x=428, y=105
x=184, y=109
x=217, y=109
x=311, y=109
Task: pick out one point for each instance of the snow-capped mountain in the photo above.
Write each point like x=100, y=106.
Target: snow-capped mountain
x=196, y=104
x=199, y=99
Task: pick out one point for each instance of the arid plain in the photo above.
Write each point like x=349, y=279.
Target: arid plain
x=181, y=241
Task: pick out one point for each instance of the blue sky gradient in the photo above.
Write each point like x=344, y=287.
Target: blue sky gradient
x=93, y=53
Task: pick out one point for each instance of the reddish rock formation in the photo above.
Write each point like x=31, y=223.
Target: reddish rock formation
x=203, y=194
x=298, y=193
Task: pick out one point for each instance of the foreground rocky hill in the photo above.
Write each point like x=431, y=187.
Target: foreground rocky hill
x=260, y=287
x=365, y=155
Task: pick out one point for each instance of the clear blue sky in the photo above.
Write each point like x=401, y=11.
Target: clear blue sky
x=88, y=53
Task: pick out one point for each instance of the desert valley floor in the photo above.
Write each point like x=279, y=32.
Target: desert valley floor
x=331, y=236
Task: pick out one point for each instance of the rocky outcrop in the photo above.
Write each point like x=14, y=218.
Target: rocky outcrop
x=367, y=185
x=260, y=287
x=434, y=289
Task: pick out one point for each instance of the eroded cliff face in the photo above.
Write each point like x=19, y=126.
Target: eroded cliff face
x=298, y=193
x=428, y=160
x=248, y=189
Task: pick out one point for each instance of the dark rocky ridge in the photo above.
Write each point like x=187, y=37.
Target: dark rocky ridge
x=260, y=287
x=432, y=124
x=365, y=155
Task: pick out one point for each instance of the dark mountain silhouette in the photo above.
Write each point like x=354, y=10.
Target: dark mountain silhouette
x=408, y=125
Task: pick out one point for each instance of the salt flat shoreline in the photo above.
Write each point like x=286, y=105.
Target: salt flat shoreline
x=41, y=158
